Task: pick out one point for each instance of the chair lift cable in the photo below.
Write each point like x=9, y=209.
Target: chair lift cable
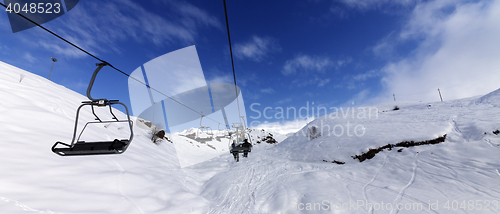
x=81, y=49
x=246, y=147
x=232, y=61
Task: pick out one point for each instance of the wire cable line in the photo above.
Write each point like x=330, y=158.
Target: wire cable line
x=81, y=49
x=232, y=61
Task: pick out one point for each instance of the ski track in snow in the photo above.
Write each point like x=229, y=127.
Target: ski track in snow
x=25, y=207
x=402, y=191
x=369, y=182
x=244, y=192
x=241, y=197
x=463, y=180
x=119, y=186
x=347, y=188
x=411, y=198
x=230, y=199
x=489, y=143
x=457, y=129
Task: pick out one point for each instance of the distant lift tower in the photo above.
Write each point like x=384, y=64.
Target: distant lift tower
x=53, y=60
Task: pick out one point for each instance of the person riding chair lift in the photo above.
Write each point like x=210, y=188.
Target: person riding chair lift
x=244, y=147
x=246, y=144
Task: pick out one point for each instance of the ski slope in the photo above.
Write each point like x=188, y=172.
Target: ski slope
x=290, y=177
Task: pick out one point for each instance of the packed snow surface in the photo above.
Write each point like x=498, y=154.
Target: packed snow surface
x=460, y=175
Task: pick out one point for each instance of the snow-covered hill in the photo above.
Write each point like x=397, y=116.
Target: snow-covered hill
x=36, y=113
x=460, y=175
x=194, y=146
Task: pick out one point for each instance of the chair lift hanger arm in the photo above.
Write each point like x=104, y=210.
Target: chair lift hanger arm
x=94, y=75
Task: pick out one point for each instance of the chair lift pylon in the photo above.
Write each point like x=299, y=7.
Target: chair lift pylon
x=78, y=147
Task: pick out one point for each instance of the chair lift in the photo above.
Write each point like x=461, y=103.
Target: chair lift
x=78, y=147
x=222, y=131
x=206, y=128
x=235, y=145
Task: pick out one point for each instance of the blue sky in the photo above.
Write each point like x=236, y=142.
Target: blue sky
x=287, y=53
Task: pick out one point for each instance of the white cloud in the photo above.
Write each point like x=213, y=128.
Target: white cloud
x=364, y=76
x=311, y=63
x=458, y=52
x=106, y=23
x=359, y=99
x=221, y=79
x=62, y=49
x=357, y=81
x=374, y=4
x=29, y=57
x=256, y=49
x=320, y=82
x=197, y=15
x=303, y=64
x=323, y=82
x=339, y=12
x=267, y=91
x=284, y=128
x=283, y=101
x=342, y=62
x=385, y=47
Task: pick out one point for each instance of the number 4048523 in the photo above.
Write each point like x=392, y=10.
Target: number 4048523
x=472, y=205
x=34, y=8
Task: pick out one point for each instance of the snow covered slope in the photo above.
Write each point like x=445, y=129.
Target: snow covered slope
x=35, y=113
x=460, y=175
x=491, y=98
